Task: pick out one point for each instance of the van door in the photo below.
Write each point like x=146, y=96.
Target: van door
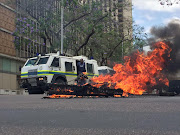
x=70, y=70
x=55, y=64
x=90, y=69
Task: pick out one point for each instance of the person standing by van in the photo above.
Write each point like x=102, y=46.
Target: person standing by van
x=80, y=67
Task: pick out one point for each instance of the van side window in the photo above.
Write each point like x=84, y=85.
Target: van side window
x=90, y=68
x=111, y=72
x=55, y=62
x=68, y=66
x=103, y=71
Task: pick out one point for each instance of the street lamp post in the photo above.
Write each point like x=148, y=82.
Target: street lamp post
x=62, y=32
x=122, y=51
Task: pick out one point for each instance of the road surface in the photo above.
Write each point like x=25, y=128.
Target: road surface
x=31, y=115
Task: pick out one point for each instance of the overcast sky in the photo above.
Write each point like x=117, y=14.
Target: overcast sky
x=150, y=13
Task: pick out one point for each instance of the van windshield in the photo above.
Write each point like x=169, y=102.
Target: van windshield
x=31, y=62
x=43, y=60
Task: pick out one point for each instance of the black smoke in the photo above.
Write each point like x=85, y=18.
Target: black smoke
x=171, y=35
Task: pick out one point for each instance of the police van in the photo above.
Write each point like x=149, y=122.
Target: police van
x=38, y=72
x=104, y=70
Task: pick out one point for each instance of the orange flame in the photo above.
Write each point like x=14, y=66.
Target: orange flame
x=61, y=96
x=64, y=90
x=117, y=96
x=138, y=72
x=85, y=73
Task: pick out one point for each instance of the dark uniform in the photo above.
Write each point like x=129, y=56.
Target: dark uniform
x=80, y=68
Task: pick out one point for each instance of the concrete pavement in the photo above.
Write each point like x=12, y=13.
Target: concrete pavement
x=29, y=114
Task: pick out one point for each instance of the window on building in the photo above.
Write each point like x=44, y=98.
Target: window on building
x=13, y=66
x=68, y=66
x=55, y=62
x=90, y=68
x=0, y=63
x=120, y=10
x=120, y=15
x=6, y=65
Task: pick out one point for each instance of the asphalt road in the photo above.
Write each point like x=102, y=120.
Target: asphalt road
x=31, y=115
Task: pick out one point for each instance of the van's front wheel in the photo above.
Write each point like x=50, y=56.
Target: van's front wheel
x=32, y=90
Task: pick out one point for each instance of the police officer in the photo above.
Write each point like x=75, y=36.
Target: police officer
x=80, y=67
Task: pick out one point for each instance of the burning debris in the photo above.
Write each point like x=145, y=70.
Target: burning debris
x=54, y=96
x=82, y=79
x=79, y=91
x=139, y=73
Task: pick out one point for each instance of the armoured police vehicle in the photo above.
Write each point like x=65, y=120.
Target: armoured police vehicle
x=38, y=72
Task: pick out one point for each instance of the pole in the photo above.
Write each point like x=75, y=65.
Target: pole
x=62, y=32
x=122, y=51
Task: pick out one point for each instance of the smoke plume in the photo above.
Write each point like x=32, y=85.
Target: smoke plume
x=170, y=34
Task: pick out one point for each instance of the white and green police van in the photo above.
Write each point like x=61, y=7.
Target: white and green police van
x=38, y=72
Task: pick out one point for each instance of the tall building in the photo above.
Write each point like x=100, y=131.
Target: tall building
x=121, y=11
x=9, y=64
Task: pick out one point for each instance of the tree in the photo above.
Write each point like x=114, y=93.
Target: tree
x=139, y=37
x=87, y=26
x=114, y=46
x=169, y=2
x=46, y=14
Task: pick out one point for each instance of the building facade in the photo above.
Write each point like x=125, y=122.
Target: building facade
x=121, y=11
x=9, y=64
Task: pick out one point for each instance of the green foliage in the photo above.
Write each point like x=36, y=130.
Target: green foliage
x=26, y=28
x=87, y=28
x=139, y=37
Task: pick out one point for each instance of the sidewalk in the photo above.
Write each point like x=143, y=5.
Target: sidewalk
x=13, y=92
